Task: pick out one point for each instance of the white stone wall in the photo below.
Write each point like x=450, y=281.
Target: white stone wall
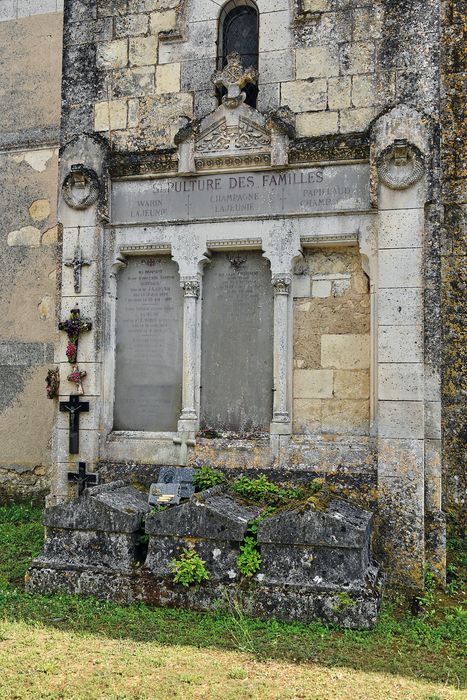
x=16, y=9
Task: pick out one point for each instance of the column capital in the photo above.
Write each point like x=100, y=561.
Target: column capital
x=190, y=286
x=281, y=283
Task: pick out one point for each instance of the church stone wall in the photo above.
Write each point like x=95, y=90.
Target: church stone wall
x=29, y=132
x=331, y=386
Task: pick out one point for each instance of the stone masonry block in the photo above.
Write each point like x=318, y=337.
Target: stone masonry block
x=433, y=420
x=276, y=66
x=321, y=289
x=351, y=384
x=163, y=21
x=306, y=416
x=355, y=119
x=401, y=228
x=168, y=78
x=401, y=419
x=400, y=307
x=402, y=382
x=313, y=383
x=317, y=62
x=400, y=268
x=345, y=351
x=112, y=54
x=275, y=31
x=358, y=57
x=400, y=344
x=339, y=92
x=143, y=51
x=348, y=416
x=317, y=124
x=400, y=458
x=131, y=26
x=133, y=82
x=316, y=5
x=110, y=115
x=302, y=96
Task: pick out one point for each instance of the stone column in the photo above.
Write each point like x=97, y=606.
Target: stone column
x=281, y=421
x=189, y=416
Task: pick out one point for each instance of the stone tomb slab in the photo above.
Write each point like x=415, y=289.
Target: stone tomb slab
x=100, y=529
x=213, y=522
x=148, y=379
x=317, y=548
x=237, y=343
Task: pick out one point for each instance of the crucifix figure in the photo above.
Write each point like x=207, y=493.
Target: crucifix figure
x=234, y=77
x=184, y=443
x=74, y=406
x=73, y=327
x=83, y=478
x=77, y=262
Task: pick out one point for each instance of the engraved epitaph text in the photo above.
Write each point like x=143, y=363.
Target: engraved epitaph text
x=249, y=194
x=237, y=343
x=148, y=381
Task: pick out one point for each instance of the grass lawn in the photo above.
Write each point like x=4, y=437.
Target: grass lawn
x=70, y=647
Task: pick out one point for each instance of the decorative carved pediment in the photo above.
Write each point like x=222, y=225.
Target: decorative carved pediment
x=235, y=135
x=245, y=135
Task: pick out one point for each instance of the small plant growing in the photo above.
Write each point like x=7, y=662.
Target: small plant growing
x=261, y=490
x=249, y=559
x=206, y=477
x=189, y=569
x=344, y=601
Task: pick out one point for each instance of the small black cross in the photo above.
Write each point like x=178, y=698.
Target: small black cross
x=74, y=406
x=83, y=479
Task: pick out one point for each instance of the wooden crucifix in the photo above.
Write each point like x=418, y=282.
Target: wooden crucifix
x=74, y=406
x=82, y=478
x=77, y=262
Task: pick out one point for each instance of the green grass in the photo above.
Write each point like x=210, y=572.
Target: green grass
x=429, y=646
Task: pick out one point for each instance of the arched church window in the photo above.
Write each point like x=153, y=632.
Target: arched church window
x=239, y=31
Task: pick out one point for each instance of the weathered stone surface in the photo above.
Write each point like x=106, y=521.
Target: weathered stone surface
x=211, y=522
x=100, y=529
x=311, y=547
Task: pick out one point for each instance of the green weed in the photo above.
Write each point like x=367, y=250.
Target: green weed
x=189, y=569
x=206, y=477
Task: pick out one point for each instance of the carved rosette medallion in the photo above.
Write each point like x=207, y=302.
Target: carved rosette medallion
x=400, y=165
x=191, y=287
x=80, y=188
x=281, y=284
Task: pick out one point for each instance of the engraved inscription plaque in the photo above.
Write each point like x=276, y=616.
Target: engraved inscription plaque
x=148, y=379
x=237, y=343
x=298, y=191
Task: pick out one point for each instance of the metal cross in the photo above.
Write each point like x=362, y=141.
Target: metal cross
x=83, y=479
x=74, y=406
x=77, y=262
x=184, y=443
x=234, y=77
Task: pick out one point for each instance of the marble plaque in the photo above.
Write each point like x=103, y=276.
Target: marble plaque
x=250, y=195
x=179, y=475
x=237, y=343
x=148, y=379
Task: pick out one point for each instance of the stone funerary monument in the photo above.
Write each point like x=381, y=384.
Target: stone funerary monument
x=244, y=287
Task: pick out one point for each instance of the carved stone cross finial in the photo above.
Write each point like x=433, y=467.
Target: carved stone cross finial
x=77, y=262
x=234, y=77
